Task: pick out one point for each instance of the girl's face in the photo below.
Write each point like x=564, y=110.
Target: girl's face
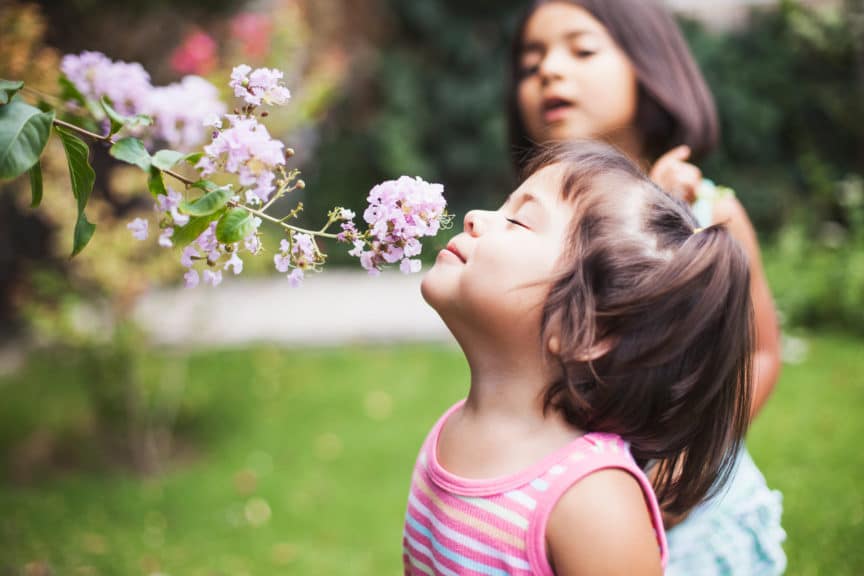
x=575, y=82
x=495, y=275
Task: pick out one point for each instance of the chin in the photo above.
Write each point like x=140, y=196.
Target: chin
x=565, y=132
x=431, y=288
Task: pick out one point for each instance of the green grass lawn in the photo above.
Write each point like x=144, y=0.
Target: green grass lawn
x=304, y=459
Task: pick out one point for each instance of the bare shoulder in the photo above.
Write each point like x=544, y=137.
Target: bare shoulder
x=602, y=525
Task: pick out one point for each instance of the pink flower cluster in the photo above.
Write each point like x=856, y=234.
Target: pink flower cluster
x=216, y=256
x=296, y=255
x=400, y=212
x=178, y=109
x=259, y=86
x=247, y=150
x=168, y=209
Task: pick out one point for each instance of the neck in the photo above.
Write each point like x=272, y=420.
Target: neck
x=628, y=141
x=507, y=381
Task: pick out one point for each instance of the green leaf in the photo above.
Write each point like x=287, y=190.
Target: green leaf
x=8, y=88
x=209, y=203
x=68, y=91
x=83, y=177
x=167, y=159
x=132, y=151
x=183, y=235
x=206, y=185
x=117, y=119
x=194, y=157
x=234, y=226
x=155, y=183
x=36, y=184
x=24, y=132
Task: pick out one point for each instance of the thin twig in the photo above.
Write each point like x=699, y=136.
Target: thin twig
x=40, y=94
x=74, y=128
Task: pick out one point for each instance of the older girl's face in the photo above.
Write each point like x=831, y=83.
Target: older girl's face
x=575, y=82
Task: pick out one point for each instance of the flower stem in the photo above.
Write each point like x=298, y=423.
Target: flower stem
x=44, y=95
x=284, y=225
x=107, y=139
x=80, y=130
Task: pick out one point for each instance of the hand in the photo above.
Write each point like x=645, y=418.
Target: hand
x=676, y=176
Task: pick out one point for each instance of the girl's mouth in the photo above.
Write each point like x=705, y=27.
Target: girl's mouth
x=555, y=109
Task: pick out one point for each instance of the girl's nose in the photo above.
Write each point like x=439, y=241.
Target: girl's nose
x=553, y=65
x=474, y=222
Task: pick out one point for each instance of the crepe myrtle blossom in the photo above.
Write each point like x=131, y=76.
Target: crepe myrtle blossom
x=297, y=253
x=247, y=150
x=178, y=110
x=139, y=228
x=260, y=86
x=400, y=212
x=95, y=75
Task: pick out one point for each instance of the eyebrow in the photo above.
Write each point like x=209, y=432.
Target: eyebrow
x=539, y=46
x=526, y=197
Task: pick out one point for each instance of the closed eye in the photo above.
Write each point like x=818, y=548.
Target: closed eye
x=517, y=223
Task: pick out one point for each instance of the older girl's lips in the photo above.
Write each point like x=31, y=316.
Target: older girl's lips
x=555, y=108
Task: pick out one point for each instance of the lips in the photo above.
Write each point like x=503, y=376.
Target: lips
x=451, y=247
x=555, y=107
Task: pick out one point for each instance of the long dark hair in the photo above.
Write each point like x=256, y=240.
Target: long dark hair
x=675, y=105
x=654, y=322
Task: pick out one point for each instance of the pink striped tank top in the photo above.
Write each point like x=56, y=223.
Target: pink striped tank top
x=497, y=527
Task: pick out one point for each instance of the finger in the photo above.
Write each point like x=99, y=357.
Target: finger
x=679, y=153
x=689, y=173
x=688, y=180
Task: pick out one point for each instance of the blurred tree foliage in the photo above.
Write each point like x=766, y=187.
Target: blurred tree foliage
x=429, y=105
x=790, y=91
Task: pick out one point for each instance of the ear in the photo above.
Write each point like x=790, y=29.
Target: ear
x=554, y=345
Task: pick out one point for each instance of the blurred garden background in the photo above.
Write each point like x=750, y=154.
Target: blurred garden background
x=125, y=452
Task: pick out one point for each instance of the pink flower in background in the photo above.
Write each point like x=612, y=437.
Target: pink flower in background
x=180, y=112
x=126, y=84
x=196, y=55
x=253, y=32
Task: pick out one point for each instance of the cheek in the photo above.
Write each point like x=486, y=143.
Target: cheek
x=529, y=103
x=615, y=93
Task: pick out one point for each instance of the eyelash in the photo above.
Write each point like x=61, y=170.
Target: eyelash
x=527, y=71
x=517, y=223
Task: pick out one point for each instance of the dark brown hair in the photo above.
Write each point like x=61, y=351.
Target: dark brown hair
x=675, y=105
x=654, y=322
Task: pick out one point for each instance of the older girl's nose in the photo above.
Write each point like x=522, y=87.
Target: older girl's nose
x=553, y=65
